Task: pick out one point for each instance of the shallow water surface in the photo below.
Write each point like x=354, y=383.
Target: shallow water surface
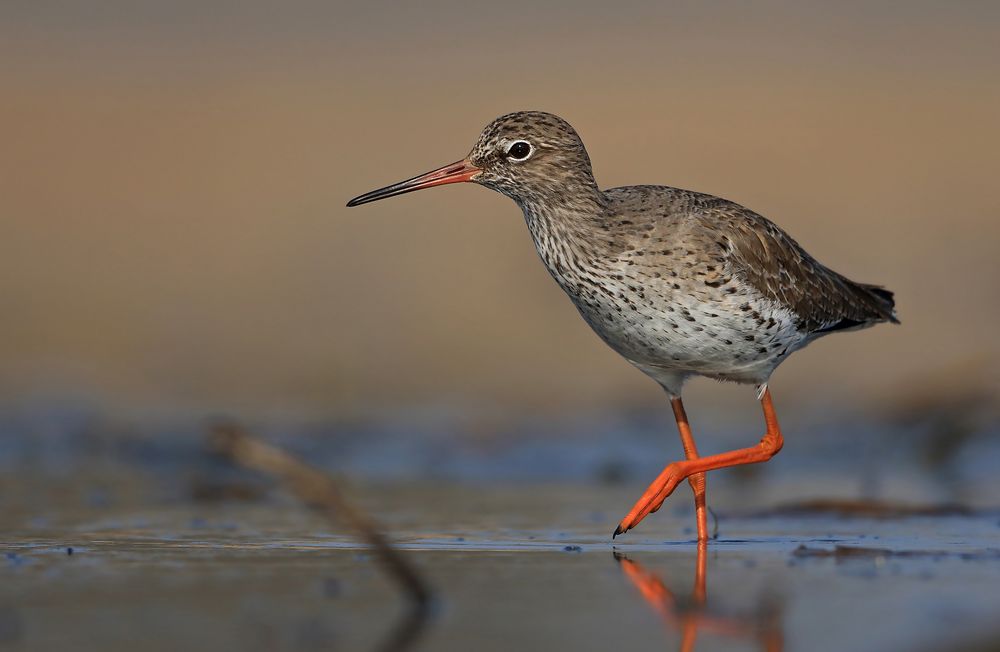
x=530, y=568
x=176, y=548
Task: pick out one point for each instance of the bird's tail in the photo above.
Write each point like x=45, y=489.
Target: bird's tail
x=883, y=299
x=867, y=305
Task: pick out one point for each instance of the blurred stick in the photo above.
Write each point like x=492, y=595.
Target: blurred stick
x=319, y=491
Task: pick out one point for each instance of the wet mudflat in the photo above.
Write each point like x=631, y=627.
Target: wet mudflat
x=531, y=567
x=854, y=538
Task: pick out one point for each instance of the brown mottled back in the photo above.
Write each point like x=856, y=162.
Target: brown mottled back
x=769, y=260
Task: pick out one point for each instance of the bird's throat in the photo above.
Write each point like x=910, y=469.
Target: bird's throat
x=569, y=239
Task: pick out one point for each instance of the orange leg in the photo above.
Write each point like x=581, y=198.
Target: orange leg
x=675, y=472
x=697, y=481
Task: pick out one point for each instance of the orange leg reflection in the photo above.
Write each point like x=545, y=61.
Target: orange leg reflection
x=692, y=618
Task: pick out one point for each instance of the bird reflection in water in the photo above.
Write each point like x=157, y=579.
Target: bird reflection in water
x=691, y=617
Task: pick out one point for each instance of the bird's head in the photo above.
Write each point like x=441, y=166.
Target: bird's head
x=529, y=156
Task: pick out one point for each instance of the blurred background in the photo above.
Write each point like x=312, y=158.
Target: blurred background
x=174, y=248
x=173, y=179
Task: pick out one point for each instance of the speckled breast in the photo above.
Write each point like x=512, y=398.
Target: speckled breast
x=655, y=319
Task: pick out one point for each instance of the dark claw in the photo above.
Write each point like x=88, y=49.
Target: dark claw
x=618, y=530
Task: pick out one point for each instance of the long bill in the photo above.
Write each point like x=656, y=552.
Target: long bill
x=453, y=173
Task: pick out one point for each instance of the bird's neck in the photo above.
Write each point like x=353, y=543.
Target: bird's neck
x=570, y=232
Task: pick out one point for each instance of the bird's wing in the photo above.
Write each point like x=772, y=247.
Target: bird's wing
x=776, y=266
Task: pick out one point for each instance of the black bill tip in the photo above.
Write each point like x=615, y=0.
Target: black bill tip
x=456, y=172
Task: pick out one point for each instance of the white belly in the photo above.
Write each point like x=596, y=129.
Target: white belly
x=673, y=333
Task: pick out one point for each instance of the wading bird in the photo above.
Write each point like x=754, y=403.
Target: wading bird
x=678, y=282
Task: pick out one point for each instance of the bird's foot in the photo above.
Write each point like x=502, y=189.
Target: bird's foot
x=653, y=497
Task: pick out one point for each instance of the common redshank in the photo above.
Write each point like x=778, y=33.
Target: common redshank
x=679, y=283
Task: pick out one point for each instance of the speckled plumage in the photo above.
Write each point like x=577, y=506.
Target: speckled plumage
x=678, y=282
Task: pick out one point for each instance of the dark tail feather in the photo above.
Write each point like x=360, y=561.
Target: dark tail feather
x=885, y=300
x=872, y=304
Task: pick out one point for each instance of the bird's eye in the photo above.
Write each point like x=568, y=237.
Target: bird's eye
x=519, y=151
